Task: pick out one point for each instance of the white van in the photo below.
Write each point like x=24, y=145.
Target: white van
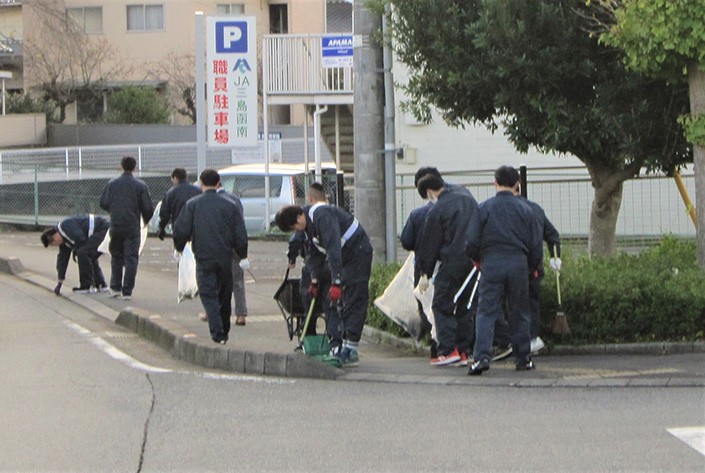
x=287, y=183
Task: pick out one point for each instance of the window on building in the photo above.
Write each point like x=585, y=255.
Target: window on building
x=89, y=19
x=278, y=19
x=145, y=17
x=339, y=16
x=230, y=8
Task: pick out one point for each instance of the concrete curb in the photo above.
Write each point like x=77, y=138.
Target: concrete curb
x=188, y=347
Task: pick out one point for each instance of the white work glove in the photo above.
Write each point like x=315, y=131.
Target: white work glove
x=423, y=284
x=555, y=264
x=244, y=264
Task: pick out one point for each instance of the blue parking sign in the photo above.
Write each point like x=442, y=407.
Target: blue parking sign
x=231, y=37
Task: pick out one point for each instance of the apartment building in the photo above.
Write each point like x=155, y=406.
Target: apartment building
x=140, y=43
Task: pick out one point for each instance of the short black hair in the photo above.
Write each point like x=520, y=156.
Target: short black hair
x=425, y=171
x=429, y=181
x=317, y=191
x=48, y=236
x=210, y=177
x=506, y=176
x=287, y=216
x=128, y=163
x=179, y=174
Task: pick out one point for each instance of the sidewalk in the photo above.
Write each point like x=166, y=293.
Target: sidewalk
x=262, y=347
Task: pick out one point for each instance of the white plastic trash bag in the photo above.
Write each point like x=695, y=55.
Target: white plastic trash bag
x=398, y=302
x=104, y=246
x=426, y=300
x=188, y=287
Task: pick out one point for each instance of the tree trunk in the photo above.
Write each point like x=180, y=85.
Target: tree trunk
x=696, y=84
x=608, y=185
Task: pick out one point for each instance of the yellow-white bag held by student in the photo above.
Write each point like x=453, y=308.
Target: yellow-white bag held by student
x=188, y=287
x=398, y=302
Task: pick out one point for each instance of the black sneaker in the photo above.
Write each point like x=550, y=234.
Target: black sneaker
x=84, y=290
x=525, y=366
x=478, y=367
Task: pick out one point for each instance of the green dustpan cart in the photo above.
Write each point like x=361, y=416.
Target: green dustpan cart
x=317, y=346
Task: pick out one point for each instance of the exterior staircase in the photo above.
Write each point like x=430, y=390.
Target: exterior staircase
x=346, y=146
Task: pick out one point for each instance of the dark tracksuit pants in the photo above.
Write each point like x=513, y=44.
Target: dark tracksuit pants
x=87, y=255
x=357, y=267
x=332, y=318
x=453, y=321
x=503, y=274
x=215, y=285
x=124, y=253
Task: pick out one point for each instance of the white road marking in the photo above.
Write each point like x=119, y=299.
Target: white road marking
x=113, y=352
x=694, y=437
x=126, y=359
x=242, y=377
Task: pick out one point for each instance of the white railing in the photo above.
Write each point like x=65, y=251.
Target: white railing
x=294, y=67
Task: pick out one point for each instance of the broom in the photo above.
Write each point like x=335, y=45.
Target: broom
x=560, y=326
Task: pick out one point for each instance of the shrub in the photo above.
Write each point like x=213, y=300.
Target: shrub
x=137, y=105
x=656, y=295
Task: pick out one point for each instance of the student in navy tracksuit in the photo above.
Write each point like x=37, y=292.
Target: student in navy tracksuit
x=83, y=235
x=444, y=238
x=239, y=267
x=503, y=239
x=216, y=229
x=411, y=237
x=175, y=198
x=349, y=254
x=546, y=232
x=127, y=199
x=315, y=263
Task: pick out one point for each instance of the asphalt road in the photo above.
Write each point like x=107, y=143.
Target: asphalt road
x=80, y=394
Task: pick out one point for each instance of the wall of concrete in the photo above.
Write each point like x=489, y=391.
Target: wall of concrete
x=23, y=129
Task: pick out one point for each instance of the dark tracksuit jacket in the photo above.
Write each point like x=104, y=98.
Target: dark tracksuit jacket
x=300, y=244
x=412, y=235
x=349, y=261
x=127, y=200
x=546, y=232
x=503, y=236
x=174, y=201
x=444, y=238
x=216, y=228
x=84, y=241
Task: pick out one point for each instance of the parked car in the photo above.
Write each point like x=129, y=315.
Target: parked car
x=287, y=182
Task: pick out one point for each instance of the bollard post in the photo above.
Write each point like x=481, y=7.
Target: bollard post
x=36, y=194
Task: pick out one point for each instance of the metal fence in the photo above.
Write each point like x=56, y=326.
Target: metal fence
x=651, y=205
x=41, y=186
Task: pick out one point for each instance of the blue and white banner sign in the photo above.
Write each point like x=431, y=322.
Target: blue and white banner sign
x=231, y=61
x=337, y=51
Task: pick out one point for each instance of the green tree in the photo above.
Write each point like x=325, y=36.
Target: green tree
x=62, y=63
x=133, y=105
x=666, y=39
x=532, y=66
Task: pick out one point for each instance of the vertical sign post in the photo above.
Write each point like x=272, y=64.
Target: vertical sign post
x=231, y=62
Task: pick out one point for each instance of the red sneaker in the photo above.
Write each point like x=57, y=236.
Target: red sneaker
x=443, y=360
x=464, y=359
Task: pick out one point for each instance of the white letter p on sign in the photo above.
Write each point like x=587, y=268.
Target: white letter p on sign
x=231, y=34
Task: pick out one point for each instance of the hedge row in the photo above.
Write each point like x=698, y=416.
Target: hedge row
x=655, y=295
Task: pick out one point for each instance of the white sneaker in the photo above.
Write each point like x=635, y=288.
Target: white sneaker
x=115, y=294
x=537, y=345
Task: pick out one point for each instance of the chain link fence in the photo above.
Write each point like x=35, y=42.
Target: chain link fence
x=651, y=205
x=42, y=186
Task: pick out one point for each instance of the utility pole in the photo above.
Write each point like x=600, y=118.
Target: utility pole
x=370, y=208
